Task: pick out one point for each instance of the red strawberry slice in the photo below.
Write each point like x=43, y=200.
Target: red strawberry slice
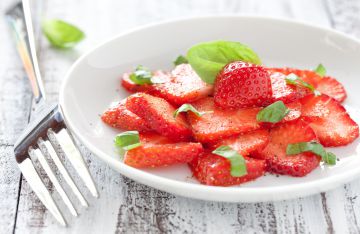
x=158, y=114
x=282, y=91
x=332, y=88
x=246, y=143
x=330, y=121
x=211, y=169
x=306, y=75
x=118, y=116
x=218, y=124
x=275, y=152
x=294, y=111
x=157, y=150
x=129, y=85
x=183, y=86
x=242, y=85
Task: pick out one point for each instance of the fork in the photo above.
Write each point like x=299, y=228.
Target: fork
x=47, y=134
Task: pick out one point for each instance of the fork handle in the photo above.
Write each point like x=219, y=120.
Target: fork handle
x=22, y=27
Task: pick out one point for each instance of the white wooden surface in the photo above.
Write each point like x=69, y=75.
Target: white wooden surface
x=126, y=206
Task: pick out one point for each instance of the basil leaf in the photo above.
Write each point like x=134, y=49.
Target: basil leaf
x=320, y=70
x=62, y=34
x=128, y=140
x=180, y=60
x=188, y=107
x=141, y=75
x=330, y=158
x=208, y=58
x=293, y=79
x=314, y=147
x=273, y=113
x=237, y=161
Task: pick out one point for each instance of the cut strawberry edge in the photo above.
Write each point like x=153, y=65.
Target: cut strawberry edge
x=129, y=85
x=333, y=88
x=306, y=75
x=281, y=91
x=118, y=116
x=211, y=169
x=159, y=151
x=275, y=152
x=246, y=143
x=293, y=114
x=330, y=121
x=217, y=124
x=158, y=114
x=183, y=86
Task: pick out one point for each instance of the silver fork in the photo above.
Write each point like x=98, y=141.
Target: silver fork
x=44, y=135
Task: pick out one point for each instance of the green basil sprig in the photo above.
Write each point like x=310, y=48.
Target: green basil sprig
x=188, y=107
x=314, y=147
x=320, y=70
x=141, y=75
x=208, y=58
x=62, y=34
x=273, y=113
x=293, y=79
x=128, y=140
x=237, y=161
x=180, y=60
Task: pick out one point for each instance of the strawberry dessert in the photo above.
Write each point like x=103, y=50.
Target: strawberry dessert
x=230, y=118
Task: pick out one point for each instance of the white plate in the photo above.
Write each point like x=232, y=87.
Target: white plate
x=93, y=83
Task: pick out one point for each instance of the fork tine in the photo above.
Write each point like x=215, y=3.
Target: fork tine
x=29, y=172
x=40, y=156
x=65, y=173
x=74, y=156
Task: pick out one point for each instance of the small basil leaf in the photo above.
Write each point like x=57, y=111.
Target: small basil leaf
x=208, y=58
x=188, y=107
x=330, y=158
x=237, y=161
x=180, y=60
x=314, y=147
x=293, y=79
x=273, y=113
x=62, y=34
x=128, y=140
x=141, y=75
x=320, y=70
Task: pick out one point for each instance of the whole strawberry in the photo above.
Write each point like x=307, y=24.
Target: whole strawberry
x=242, y=85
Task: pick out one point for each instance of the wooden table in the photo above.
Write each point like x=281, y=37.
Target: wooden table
x=126, y=206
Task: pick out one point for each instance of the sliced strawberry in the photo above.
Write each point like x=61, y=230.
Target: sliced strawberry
x=118, y=116
x=330, y=121
x=282, y=91
x=246, y=143
x=157, y=150
x=211, y=169
x=294, y=111
x=332, y=88
x=306, y=75
x=293, y=114
x=242, y=85
x=184, y=86
x=217, y=124
x=158, y=114
x=275, y=152
x=129, y=85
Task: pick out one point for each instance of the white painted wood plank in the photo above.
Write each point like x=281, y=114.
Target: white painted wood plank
x=343, y=204
x=15, y=100
x=126, y=206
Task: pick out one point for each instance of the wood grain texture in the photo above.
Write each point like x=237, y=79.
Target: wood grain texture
x=126, y=206
x=15, y=99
